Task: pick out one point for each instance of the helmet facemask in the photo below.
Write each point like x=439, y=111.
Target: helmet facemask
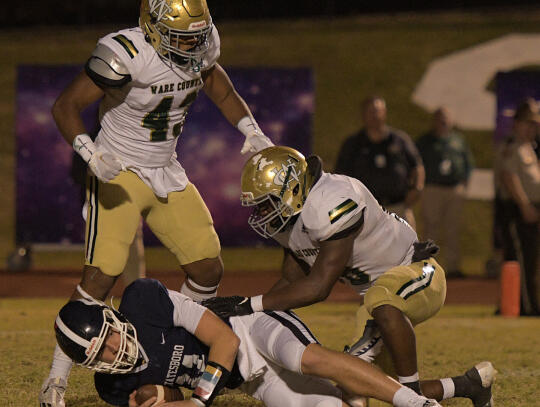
x=128, y=350
x=168, y=26
x=270, y=214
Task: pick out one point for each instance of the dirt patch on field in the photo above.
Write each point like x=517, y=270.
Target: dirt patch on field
x=62, y=283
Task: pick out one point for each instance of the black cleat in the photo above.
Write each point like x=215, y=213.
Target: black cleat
x=481, y=377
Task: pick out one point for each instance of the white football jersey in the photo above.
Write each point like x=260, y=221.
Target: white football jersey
x=141, y=121
x=336, y=203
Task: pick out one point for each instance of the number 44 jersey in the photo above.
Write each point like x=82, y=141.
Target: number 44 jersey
x=141, y=121
x=334, y=208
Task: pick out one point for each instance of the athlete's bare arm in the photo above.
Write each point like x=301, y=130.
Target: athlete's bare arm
x=317, y=285
x=221, y=340
x=219, y=88
x=292, y=269
x=67, y=108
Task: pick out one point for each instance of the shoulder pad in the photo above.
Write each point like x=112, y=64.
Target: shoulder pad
x=106, y=69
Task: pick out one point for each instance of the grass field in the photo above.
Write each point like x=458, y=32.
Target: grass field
x=456, y=339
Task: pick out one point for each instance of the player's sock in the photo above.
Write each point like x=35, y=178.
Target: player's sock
x=202, y=292
x=449, y=388
x=61, y=364
x=463, y=386
x=412, y=382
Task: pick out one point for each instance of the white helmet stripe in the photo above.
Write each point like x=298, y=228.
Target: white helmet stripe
x=70, y=334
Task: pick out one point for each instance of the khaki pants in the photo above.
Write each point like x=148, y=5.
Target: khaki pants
x=181, y=222
x=441, y=214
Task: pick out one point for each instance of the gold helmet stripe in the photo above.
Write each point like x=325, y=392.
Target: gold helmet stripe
x=127, y=45
x=342, y=209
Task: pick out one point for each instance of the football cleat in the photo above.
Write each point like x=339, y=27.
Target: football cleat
x=369, y=345
x=52, y=393
x=431, y=403
x=481, y=377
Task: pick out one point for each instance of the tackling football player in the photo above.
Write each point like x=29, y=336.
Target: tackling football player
x=332, y=228
x=162, y=337
x=146, y=78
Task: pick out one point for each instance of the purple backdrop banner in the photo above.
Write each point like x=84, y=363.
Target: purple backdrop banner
x=48, y=200
x=513, y=88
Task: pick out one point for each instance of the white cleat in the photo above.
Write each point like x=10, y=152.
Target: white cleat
x=369, y=345
x=52, y=393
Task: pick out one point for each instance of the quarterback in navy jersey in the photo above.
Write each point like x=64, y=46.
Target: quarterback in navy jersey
x=162, y=337
x=170, y=355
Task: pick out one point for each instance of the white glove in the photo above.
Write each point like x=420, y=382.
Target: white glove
x=256, y=142
x=255, y=138
x=105, y=165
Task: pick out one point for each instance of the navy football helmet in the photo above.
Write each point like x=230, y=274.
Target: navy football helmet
x=82, y=327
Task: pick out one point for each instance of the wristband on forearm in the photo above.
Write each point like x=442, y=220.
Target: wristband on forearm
x=213, y=379
x=256, y=303
x=247, y=126
x=84, y=146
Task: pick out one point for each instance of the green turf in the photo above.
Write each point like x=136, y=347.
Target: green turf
x=450, y=343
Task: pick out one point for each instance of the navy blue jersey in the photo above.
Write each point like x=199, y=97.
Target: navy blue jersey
x=173, y=356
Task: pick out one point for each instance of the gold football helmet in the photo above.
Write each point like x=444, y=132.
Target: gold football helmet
x=171, y=24
x=275, y=181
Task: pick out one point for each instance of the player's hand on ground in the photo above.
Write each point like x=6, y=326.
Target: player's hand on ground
x=105, y=165
x=225, y=307
x=256, y=142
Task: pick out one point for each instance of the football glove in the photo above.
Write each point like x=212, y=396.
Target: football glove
x=255, y=138
x=256, y=142
x=105, y=165
x=225, y=307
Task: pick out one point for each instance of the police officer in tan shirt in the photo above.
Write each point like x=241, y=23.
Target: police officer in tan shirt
x=520, y=185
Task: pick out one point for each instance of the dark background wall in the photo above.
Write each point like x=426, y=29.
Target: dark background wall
x=39, y=12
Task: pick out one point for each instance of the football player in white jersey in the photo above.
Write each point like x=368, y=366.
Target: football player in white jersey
x=146, y=78
x=332, y=228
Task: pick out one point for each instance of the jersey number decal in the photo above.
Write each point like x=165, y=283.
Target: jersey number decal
x=355, y=276
x=158, y=119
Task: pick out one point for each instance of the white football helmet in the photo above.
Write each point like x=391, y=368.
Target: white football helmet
x=169, y=23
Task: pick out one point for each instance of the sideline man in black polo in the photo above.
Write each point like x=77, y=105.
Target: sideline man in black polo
x=385, y=159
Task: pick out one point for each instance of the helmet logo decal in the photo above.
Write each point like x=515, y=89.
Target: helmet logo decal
x=199, y=24
x=92, y=345
x=287, y=172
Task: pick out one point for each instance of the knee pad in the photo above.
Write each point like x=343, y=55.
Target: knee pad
x=278, y=343
x=379, y=295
